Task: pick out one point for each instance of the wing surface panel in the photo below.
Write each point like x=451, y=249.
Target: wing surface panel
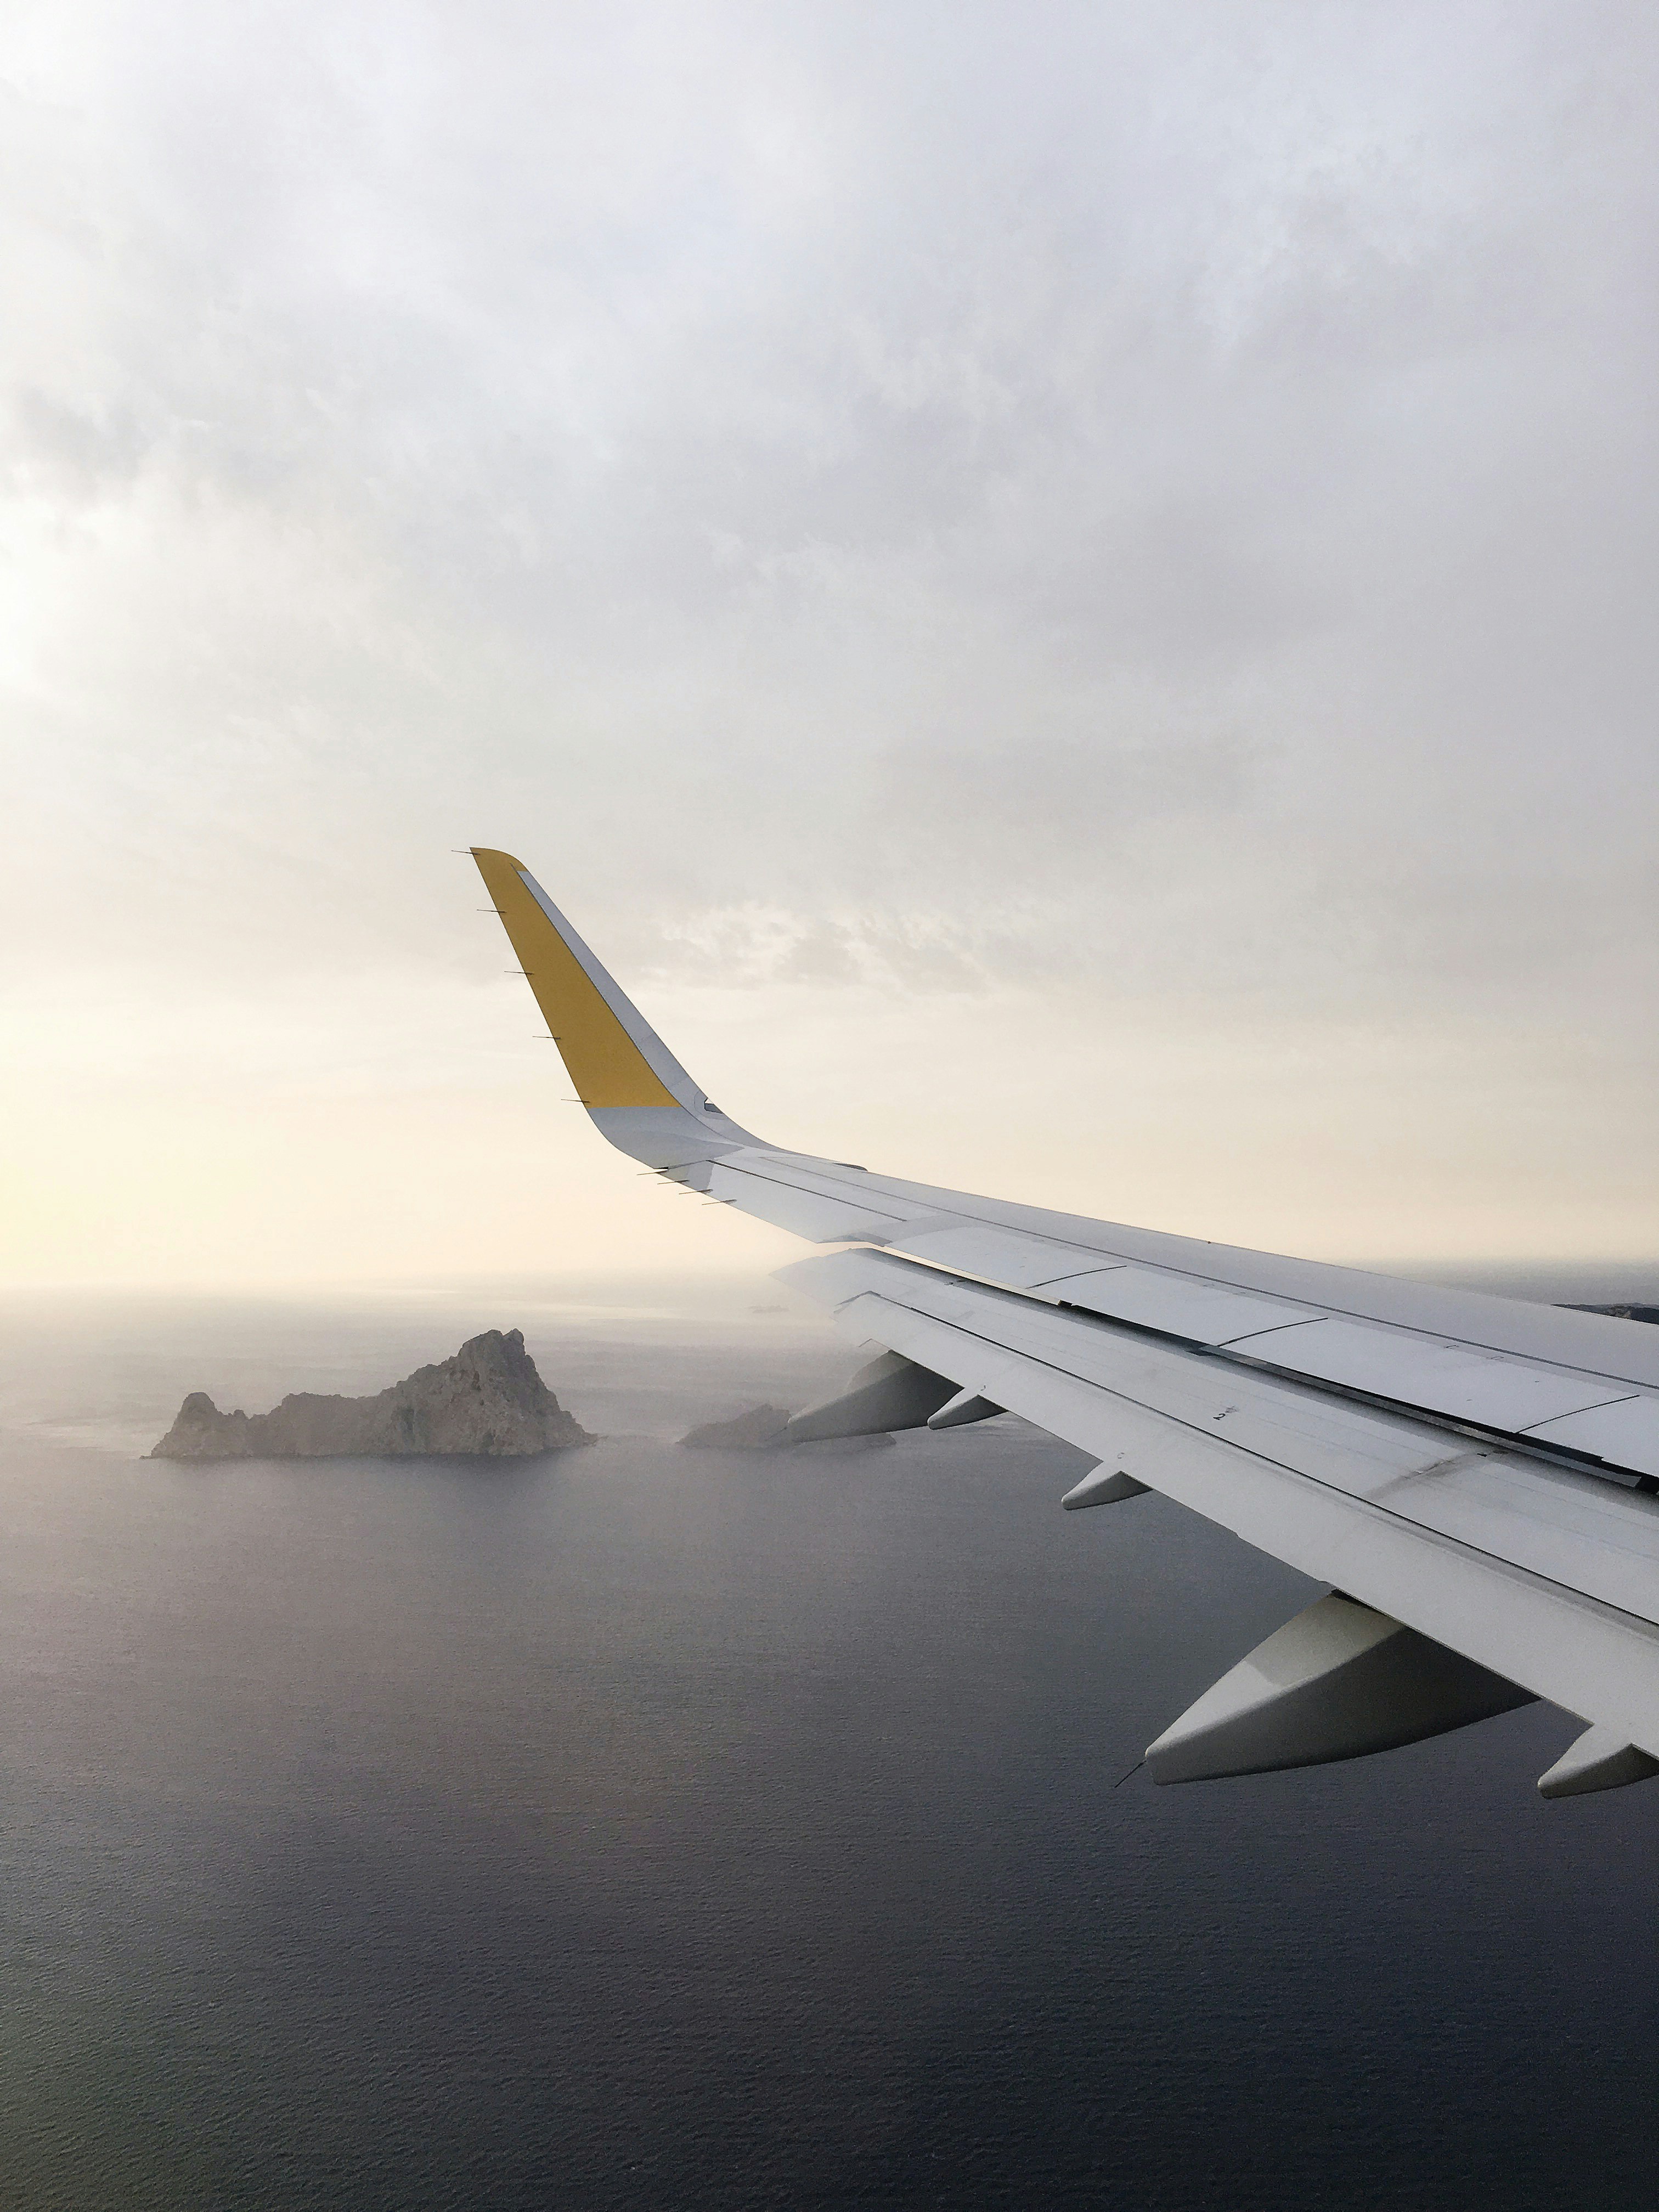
x=999, y=1255
x=1463, y=1383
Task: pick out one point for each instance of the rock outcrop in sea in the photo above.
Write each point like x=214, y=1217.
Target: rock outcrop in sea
x=758, y=1430
x=487, y=1402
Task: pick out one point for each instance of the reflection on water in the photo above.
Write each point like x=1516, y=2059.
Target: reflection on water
x=642, y=1826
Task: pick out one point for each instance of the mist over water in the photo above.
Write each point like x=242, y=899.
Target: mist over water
x=639, y=1826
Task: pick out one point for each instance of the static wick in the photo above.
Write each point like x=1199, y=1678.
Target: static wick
x=1135, y=1769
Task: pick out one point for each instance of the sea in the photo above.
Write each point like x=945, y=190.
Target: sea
x=646, y=1827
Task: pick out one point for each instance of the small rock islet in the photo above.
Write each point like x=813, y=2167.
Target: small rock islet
x=758, y=1429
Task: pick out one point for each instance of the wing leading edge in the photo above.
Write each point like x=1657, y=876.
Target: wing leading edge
x=1476, y=1474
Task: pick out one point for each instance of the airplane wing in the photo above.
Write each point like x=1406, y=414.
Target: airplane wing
x=1478, y=1478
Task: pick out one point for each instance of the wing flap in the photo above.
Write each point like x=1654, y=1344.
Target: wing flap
x=1625, y=1433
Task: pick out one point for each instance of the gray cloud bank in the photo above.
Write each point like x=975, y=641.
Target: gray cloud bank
x=1157, y=503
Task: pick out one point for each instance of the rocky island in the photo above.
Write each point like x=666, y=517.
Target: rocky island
x=758, y=1430
x=488, y=1402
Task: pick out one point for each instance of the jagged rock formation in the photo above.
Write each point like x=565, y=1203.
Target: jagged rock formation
x=758, y=1430
x=487, y=1402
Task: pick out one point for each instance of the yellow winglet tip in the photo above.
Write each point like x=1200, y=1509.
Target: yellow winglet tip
x=605, y=1062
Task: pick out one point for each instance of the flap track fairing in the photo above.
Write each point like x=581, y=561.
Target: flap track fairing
x=1337, y=1681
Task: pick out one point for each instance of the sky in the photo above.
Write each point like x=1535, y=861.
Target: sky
x=1065, y=593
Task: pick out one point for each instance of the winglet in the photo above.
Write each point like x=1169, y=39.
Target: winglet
x=639, y=1095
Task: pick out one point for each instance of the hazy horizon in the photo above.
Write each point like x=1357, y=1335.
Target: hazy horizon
x=719, y=1292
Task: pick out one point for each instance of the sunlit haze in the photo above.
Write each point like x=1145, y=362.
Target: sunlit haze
x=1064, y=593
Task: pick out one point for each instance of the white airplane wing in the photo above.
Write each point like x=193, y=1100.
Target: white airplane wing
x=1478, y=1478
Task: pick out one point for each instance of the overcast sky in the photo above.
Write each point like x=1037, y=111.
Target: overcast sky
x=1067, y=593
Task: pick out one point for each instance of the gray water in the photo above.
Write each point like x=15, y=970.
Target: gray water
x=639, y=1826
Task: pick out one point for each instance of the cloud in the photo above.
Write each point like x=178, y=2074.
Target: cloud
x=878, y=506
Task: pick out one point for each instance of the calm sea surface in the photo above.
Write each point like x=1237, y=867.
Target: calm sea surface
x=641, y=1826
